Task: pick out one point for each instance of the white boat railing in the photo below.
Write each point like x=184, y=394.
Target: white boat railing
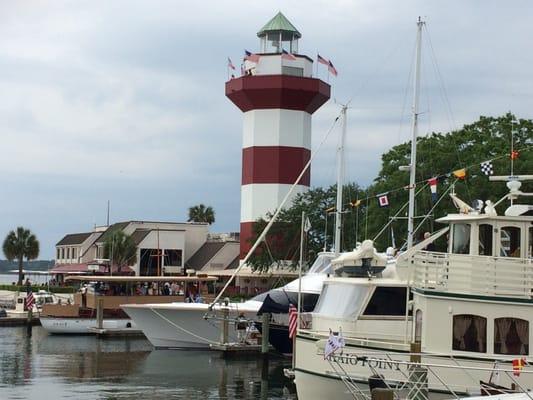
x=474, y=275
x=411, y=381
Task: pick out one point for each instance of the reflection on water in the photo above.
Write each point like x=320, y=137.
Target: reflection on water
x=83, y=367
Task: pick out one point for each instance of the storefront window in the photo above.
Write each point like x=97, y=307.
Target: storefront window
x=469, y=333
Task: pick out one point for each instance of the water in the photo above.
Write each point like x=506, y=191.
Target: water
x=84, y=367
x=8, y=279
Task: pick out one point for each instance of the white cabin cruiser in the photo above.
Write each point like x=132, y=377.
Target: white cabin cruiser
x=187, y=325
x=473, y=302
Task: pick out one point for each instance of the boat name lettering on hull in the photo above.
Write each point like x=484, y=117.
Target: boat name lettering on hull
x=352, y=359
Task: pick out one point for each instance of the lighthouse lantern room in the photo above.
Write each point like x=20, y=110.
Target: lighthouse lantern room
x=277, y=95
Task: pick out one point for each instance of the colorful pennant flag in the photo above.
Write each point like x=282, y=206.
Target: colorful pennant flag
x=460, y=173
x=486, y=167
x=518, y=364
x=230, y=64
x=287, y=56
x=383, y=200
x=433, y=187
x=330, y=210
x=355, y=203
x=515, y=154
x=307, y=225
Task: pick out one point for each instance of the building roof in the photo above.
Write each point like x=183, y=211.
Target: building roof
x=83, y=268
x=111, y=230
x=74, y=238
x=139, y=234
x=204, y=254
x=279, y=23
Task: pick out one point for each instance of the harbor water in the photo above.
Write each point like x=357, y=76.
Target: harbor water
x=42, y=366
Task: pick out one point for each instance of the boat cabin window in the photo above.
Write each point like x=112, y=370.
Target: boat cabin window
x=510, y=241
x=469, y=333
x=511, y=336
x=418, y=326
x=485, y=240
x=461, y=239
x=341, y=300
x=387, y=301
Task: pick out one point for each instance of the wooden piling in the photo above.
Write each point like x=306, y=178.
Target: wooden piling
x=100, y=313
x=224, y=332
x=265, y=332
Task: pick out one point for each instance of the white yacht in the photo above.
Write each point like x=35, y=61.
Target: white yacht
x=181, y=325
x=473, y=302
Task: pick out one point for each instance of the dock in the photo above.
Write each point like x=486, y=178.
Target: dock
x=237, y=349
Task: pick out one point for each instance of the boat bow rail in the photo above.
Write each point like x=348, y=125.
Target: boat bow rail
x=472, y=275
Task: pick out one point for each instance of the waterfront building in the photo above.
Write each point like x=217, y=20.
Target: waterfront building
x=277, y=94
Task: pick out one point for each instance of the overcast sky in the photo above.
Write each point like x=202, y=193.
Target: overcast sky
x=124, y=100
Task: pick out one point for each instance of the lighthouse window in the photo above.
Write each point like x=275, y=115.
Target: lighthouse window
x=469, y=333
x=510, y=241
x=511, y=336
x=485, y=240
x=461, y=239
x=292, y=71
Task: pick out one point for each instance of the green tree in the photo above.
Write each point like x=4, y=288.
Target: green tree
x=201, y=213
x=20, y=244
x=120, y=249
x=438, y=154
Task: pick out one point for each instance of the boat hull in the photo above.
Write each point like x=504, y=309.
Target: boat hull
x=316, y=377
x=84, y=325
x=183, y=326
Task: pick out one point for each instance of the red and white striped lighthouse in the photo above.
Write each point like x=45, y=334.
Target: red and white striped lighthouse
x=277, y=95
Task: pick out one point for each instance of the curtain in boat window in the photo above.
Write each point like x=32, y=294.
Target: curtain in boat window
x=341, y=300
x=511, y=336
x=469, y=333
x=530, y=247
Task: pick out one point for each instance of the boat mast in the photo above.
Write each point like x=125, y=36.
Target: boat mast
x=414, y=130
x=340, y=184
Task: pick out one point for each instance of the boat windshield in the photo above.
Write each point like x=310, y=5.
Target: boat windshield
x=322, y=264
x=342, y=300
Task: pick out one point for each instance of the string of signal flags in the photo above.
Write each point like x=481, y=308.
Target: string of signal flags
x=485, y=167
x=285, y=55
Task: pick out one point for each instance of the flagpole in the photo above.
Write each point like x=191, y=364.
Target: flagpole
x=302, y=228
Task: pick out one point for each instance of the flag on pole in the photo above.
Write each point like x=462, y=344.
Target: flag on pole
x=293, y=320
x=230, y=64
x=355, y=203
x=332, y=69
x=307, y=225
x=322, y=60
x=249, y=56
x=515, y=154
x=287, y=56
x=30, y=300
x=383, y=200
x=460, y=173
x=334, y=343
x=433, y=187
x=486, y=167
x=518, y=364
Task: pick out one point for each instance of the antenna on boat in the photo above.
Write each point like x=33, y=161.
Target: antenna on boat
x=414, y=130
x=340, y=183
x=107, y=213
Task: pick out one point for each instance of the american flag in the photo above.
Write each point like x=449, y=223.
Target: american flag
x=287, y=56
x=332, y=69
x=249, y=56
x=322, y=60
x=30, y=300
x=293, y=320
x=230, y=64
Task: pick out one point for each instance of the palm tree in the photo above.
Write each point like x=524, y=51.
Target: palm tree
x=21, y=244
x=201, y=213
x=120, y=249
